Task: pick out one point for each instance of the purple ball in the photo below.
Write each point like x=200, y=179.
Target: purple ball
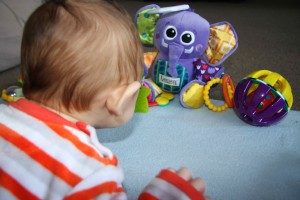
x=259, y=104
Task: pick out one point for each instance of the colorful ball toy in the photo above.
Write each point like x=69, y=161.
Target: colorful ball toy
x=12, y=93
x=263, y=98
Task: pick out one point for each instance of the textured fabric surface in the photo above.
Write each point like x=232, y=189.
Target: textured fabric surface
x=9, y=77
x=13, y=14
x=237, y=161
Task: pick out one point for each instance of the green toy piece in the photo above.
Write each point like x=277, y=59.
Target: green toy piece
x=146, y=26
x=141, y=105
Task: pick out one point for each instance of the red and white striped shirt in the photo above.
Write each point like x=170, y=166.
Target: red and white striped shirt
x=44, y=156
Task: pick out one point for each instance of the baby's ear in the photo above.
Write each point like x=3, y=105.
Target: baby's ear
x=122, y=98
x=223, y=41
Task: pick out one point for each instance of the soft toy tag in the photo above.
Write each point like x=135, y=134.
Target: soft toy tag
x=221, y=44
x=204, y=72
x=168, y=83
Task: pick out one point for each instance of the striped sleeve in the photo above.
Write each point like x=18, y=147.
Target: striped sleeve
x=168, y=185
x=104, y=184
x=48, y=161
x=29, y=173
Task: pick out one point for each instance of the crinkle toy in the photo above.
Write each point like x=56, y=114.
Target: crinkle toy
x=190, y=49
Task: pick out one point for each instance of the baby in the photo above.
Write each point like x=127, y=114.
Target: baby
x=81, y=63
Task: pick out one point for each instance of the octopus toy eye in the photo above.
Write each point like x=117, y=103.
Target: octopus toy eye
x=170, y=32
x=187, y=37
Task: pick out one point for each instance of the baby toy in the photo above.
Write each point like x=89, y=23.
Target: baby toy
x=141, y=105
x=228, y=91
x=190, y=50
x=12, y=93
x=150, y=94
x=263, y=98
x=156, y=96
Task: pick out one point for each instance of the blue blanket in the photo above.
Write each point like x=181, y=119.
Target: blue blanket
x=237, y=161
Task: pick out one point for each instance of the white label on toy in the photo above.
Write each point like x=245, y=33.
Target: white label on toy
x=169, y=80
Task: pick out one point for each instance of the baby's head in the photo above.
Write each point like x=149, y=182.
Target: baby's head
x=82, y=58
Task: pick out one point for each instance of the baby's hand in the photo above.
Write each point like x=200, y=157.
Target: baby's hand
x=185, y=173
x=176, y=185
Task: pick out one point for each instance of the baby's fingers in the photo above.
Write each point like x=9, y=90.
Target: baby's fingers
x=198, y=184
x=184, y=173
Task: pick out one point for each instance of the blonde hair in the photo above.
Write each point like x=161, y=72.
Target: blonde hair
x=72, y=49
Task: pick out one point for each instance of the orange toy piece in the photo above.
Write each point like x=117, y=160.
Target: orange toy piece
x=228, y=90
x=149, y=58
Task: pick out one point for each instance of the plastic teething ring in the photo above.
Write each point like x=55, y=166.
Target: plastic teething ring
x=228, y=90
x=207, y=101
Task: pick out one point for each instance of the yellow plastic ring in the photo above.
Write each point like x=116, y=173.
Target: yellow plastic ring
x=277, y=81
x=207, y=100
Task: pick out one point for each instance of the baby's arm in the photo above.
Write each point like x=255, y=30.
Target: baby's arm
x=168, y=184
x=106, y=183
x=176, y=185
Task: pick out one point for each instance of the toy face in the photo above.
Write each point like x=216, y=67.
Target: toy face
x=185, y=33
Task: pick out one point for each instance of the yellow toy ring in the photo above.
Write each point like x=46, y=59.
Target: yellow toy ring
x=278, y=82
x=207, y=101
